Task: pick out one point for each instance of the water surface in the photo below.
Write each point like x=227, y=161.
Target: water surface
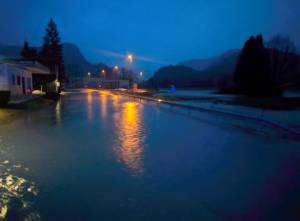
x=99, y=156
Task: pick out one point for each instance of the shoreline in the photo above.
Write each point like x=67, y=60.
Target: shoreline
x=231, y=111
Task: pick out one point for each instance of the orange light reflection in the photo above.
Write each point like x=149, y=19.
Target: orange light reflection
x=90, y=105
x=131, y=136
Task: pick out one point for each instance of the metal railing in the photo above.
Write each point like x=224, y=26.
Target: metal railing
x=259, y=118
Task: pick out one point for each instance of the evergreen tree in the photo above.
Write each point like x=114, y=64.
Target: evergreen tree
x=28, y=53
x=253, y=73
x=283, y=59
x=26, y=50
x=51, y=53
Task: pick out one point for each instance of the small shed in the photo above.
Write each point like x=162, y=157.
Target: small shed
x=14, y=78
x=22, y=77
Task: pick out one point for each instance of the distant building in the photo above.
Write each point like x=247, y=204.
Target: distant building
x=22, y=77
x=106, y=83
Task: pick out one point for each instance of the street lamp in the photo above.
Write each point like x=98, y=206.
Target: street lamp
x=103, y=73
x=116, y=69
x=130, y=58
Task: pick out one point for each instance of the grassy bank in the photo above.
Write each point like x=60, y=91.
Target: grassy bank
x=279, y=103
x=269, y=103
x=36, y=103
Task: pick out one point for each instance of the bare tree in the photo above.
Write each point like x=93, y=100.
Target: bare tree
x=282, y=55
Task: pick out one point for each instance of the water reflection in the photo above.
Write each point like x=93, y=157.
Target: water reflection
x=89, y=105
x=115, y=100
x=7, y=115
x=58, y=112
x=103, y=102
x=16, y=192
x=131, y=136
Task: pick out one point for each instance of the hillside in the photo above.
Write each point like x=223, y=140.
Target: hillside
x=219, y=69
x=76, y=64
x=179, y=75
x=73, y=55
x=203, y=64
x=218, y=74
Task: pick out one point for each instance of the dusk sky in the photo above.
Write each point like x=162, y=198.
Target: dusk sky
x=159, y=32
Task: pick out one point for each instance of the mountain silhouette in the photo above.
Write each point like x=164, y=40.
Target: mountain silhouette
x=215, y=72
x=203, y=64
x=198, y=72
x=76, y=65
x=73, y=55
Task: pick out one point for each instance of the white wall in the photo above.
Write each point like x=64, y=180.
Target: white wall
x=7, y=80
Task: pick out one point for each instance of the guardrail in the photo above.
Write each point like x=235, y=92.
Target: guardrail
x=259, y=119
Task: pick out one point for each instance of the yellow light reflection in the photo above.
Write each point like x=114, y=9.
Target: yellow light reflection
x=14, y=189
x=115, y=100
x=90, y=105
x=131, y=136
x=6, y=115
x=103, y=103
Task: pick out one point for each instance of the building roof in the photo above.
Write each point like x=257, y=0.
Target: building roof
x=31, y=66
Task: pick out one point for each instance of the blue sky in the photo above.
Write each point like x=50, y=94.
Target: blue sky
x=158, y=31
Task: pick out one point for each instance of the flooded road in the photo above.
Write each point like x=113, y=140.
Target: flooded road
x=98, y=156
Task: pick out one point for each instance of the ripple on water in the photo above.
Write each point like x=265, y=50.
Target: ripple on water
x=131, y=137
x=17, y=194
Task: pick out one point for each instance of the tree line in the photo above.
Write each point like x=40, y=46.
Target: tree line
x=263, y=67
x=260, y=69
x=50, y=54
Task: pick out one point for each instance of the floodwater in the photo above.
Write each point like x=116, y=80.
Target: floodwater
x=98, y=156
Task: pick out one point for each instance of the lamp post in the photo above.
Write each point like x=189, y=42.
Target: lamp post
x=130, y=58
x=87, y=82
x=89, y=76
x=116, y=70
x=103, y=73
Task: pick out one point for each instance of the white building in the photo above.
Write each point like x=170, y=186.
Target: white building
x=15, y=79
x=20, y=77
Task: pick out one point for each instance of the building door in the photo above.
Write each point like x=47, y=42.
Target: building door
x=23, y=85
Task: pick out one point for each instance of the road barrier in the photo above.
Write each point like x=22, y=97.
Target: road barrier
x=259, y=119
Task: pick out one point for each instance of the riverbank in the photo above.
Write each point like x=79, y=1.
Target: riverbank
x=18, y=108
x=287, y=120
x=249, y=118
x=27, y=102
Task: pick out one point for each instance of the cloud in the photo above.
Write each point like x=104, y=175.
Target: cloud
x=114, y=54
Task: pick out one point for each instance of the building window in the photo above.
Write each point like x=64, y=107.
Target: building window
x=13, y=79
x=19, y=80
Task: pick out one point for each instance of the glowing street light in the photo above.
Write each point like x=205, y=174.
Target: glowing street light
x=103, y=72
x=116, y=68
x=130, y=58
x=141, y=74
